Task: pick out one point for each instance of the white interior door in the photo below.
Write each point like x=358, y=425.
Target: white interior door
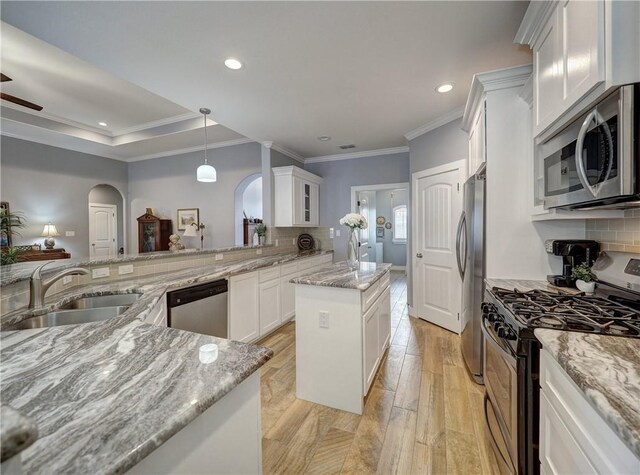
x=363, y=234
x=437, y=204
x=102, y=230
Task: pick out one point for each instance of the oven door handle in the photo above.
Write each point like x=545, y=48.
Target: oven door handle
x=492, y=437
x=594, y=115
x=509, y=358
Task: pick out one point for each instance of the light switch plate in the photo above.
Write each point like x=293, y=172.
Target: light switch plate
x=128, y=269
x=258, y=251
x=337, y=233
x=276, y=243
x=331, y=232
x=99, y=273
x=324, y=319
x=69, y=233
x=219, y=257
x=66, y=280
x=294, y=241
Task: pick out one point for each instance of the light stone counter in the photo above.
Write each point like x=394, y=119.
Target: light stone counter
x=607, y=370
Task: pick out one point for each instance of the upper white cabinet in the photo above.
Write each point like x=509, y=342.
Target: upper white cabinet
x=580, y=50
x=297, y=194
x=486, y=97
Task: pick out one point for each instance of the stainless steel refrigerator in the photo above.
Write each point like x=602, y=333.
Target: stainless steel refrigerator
x=471, y=265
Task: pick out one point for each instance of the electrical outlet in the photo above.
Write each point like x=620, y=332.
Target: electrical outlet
x=324, y=319
x=66, y=280
x=293, y=241
x=276, y=243
x=99, y=273
x=69, y=233
x=331, y=233
x=128, y=269
x=219, y=257
x=337, y=233
x=258, y=251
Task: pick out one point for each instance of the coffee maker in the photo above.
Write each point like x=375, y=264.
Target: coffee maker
x=574, y=252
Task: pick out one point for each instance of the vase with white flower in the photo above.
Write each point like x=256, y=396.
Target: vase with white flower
x=353, y=221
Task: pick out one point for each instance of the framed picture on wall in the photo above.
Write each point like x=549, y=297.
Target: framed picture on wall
x=379, y=232
x=187, y=217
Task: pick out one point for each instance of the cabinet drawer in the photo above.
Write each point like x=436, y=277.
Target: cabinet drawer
x=269, y=274
x=369, y=296
x=605, y=450
x=288, y=269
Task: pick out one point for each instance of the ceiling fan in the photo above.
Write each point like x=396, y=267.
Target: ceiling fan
x=14, y=99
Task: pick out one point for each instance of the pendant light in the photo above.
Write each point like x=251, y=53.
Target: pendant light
x=206, y=173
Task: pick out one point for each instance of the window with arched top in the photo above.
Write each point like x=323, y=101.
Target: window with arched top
x=400, y=224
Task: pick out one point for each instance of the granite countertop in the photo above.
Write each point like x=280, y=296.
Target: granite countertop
x=526, y=285
x=607, y=370
x=18, y=432
x=69, y=377
x=341, y=275
x=23, y=270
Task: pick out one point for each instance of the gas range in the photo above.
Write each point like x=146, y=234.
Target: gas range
x=512, y=353
x=583, y=313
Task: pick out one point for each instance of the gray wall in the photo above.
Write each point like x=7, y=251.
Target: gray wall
x=108, y=195
x=445, y=144
x=52, y=184
x=166, y=184
x=393, y=253
x=340, y=175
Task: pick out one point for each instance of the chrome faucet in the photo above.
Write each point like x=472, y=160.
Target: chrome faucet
x=38, y=286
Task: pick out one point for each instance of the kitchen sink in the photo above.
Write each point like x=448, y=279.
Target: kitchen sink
x=70, y=317
x=101, y=301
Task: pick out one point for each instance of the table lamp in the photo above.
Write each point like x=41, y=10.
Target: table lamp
x=192, y=231
x=49, y=231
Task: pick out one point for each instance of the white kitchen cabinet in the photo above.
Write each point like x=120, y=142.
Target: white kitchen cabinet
x=384, y=320
x=477, y=143
x=297, y=194
x=269, y=301
x=581, y=49
x=288, y=291
x=574, y=438
x=371, y=349
x=244, y=308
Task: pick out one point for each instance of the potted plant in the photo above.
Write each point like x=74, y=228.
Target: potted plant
x=261, y=231
x=585, y=278
x=9, y=222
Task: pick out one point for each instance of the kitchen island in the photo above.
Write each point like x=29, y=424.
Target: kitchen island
x=343, y=327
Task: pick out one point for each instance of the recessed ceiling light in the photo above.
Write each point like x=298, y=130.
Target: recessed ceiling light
x=103, y=124
x=324, y=138
x=232, y=63
x=442, y=88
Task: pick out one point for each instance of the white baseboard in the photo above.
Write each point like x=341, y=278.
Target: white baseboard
x=400, y=268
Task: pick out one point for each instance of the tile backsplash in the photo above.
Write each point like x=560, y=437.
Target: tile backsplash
x=285, y=237
x=617, y=234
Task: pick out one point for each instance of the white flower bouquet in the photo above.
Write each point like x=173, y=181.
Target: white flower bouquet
x=354, y=221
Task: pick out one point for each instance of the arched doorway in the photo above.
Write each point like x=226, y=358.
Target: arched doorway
x=106, y=221
x=248, y=200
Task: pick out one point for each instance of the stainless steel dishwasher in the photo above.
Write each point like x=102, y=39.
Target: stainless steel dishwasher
x=200, y=309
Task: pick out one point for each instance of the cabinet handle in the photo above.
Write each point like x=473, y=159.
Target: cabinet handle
x=419, y=255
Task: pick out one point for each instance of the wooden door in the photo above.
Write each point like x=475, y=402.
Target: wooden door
x=437, y=199
x=102, y=230
x=364, y=245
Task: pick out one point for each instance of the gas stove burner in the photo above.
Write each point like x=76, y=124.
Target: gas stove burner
x=580, y=312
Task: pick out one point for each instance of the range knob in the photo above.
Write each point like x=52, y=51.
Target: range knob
x=497, y=326
x=492, y=317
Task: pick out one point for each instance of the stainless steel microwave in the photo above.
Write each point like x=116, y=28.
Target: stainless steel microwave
x=595, y=161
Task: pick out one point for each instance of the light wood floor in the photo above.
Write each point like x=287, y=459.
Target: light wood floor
x=423, y=414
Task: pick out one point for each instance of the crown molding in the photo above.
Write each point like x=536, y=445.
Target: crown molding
x=198, y=148
x=492, y=81
x=51, y=143
x=536, y=16
x=285, y=151
x=435, y=123
x=61, y=120
x=159, y=123
x=364, y=153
